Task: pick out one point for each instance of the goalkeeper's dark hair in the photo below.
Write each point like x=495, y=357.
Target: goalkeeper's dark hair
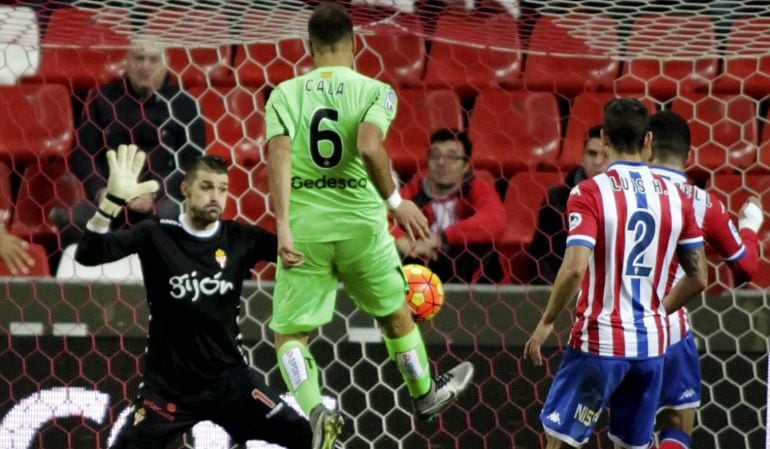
x=626, y=122
x=329, y=25
x=208, y=162
x=670, y=137
x=446, y=135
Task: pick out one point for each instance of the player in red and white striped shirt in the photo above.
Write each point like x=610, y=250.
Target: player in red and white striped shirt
x=625, y=228
x=681, y=393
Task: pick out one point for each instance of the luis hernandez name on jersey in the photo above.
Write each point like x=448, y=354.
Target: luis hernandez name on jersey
x=188, y=284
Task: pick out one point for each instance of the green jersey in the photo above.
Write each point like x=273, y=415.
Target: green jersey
x=332, y=197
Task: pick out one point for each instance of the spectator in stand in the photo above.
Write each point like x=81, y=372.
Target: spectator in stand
x=464, y=211
x=145, y=108
x=551, y=236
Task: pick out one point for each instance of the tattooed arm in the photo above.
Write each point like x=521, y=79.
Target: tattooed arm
x=693, y=261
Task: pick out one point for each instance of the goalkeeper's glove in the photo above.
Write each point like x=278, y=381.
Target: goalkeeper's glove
x=125, y=166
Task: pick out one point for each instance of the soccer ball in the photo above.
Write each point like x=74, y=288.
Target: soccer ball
x=426, y=293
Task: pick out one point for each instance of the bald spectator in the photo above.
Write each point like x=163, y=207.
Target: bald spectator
x=146, y=108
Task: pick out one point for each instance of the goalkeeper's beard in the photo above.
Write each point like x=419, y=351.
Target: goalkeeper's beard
x=206, y=215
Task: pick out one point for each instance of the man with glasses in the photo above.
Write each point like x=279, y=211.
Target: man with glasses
x=465, y=213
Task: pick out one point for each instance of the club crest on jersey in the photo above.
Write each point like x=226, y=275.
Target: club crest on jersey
x=574, y=220
x=221, y=256
x=139, y=416
x=390, y=100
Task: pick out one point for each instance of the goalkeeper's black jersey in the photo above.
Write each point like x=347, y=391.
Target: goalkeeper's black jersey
x=193, y=282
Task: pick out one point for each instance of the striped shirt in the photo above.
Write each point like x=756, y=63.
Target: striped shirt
x=633, y=221
x=718, y=230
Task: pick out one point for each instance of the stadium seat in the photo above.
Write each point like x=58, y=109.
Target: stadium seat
x=587, y=110
x=391, y=53
x=126, y=269
x=515, y=130
x=248, y=199
x=267, y=61
x=44, y=186
x=654, y=37
x=526, y=192
x=41, y=267
x=749, y=73
x=764, y=148
x=461, y=58
x=723, y=129
x=200, y=64
x=571, y=33
x=420, y=113
x=235, y=126
x=81, y=49
x=35, y=121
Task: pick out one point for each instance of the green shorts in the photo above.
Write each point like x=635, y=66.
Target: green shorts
x=368, y=267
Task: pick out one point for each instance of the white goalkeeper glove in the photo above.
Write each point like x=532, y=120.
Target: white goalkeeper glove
x=125, y=166
x=751, y=215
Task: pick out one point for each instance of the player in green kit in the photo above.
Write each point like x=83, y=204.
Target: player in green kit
x=330, y=182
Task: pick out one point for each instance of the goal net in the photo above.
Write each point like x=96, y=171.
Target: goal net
x=526, y=79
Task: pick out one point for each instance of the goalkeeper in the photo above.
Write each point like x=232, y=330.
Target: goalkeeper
x=193, y=267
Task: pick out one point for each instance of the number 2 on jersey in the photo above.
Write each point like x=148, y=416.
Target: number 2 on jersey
x=318, y=135
x=643, y=225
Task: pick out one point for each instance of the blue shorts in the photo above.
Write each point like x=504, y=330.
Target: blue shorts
x=585, y=384
x=681, y=376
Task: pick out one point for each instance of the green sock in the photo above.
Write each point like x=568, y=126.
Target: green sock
x=412, y=361
x=300, y=374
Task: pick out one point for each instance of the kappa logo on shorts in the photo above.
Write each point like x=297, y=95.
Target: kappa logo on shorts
x=554, y=417
x=687, y=394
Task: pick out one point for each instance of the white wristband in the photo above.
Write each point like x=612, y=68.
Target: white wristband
x=394, y=200
x=752, y=217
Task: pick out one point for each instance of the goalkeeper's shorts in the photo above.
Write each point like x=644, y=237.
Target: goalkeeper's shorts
x=246, y=409
x=368, y=267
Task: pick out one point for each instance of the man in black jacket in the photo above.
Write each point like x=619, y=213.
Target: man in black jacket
x=551, y=234
x=193, y=268
x=147, y=109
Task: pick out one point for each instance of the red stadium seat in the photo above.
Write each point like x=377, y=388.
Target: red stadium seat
x=461, y=57
x=235, y=125
x=587, y=111
x=44, y=186
x=749, y=73
x=81, y=49
x=248, y=199
x=764, y=148
x=267, y=61
x=41, y=267
x=35, y=121
x=571, y=33
x=657, y=36
x=393, y=54
x=526, y=192
x=200, y=64
x=420, y=113
x=724, y=131
x=514, y=131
